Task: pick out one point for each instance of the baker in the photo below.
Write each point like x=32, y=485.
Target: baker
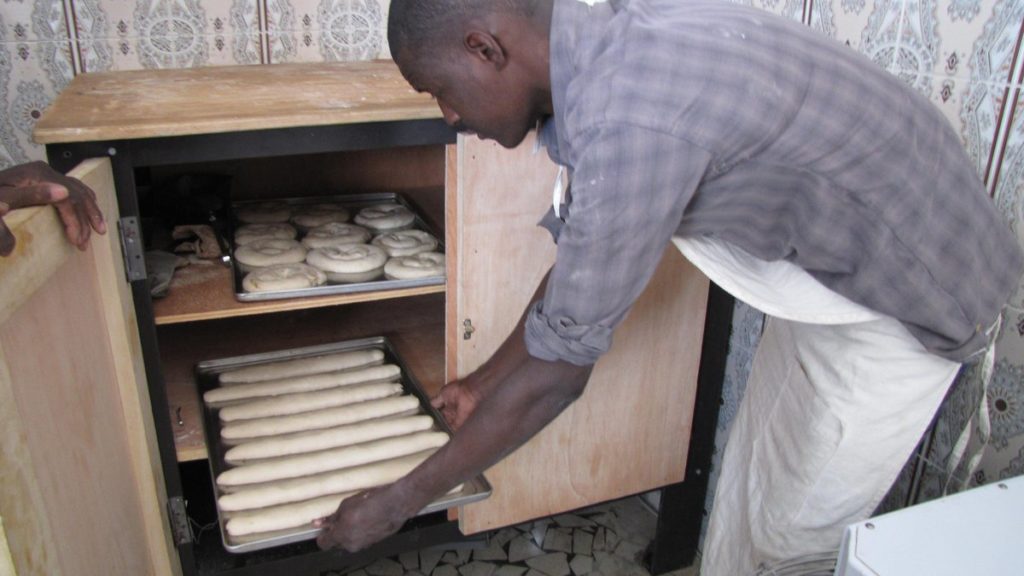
x=790, y=169
x=35, y=184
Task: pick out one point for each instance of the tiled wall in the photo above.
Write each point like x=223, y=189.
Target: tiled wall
x=967, y=56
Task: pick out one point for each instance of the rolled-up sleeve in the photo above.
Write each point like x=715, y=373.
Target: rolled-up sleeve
x=630, y=187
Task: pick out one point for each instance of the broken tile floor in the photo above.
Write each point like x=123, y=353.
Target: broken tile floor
x=604, y=540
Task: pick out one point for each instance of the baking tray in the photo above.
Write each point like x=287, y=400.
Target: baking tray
x=207, y=373
x=353, y=202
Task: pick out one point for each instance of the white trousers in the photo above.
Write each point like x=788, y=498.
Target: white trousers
x=830, y=415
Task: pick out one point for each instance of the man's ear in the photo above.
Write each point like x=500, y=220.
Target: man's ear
x=485, y=47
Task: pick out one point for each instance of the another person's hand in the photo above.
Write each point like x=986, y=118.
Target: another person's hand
x=456, y=401
x=362, y=520
x=35, y=184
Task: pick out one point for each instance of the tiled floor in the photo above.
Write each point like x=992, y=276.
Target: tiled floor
x=606, y=540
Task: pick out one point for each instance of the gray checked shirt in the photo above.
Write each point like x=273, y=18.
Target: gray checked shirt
x=703, y=117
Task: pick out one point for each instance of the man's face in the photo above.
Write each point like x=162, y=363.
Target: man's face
x=474, y=97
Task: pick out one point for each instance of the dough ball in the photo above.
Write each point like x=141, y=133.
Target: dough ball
x=335, y=234
x=405, y=242
x=267, y=252
x=349, y=262
x=385, y=217
x=422, y=265
x=252, y=232
x=263, y=212
x=283, y=277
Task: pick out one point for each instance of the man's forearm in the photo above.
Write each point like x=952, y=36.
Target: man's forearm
x=527, y=395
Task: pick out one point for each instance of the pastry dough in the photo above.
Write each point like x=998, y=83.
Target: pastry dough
x=333, y=459
x=302, y=366
x=385, y=217
x=305, y=383
x=251, y=232
x=422, y=265
x=337, y=482
x=308, y=401
x=263, y=212
x=350, y=262
x=267, y=252
x=326, y=439
x=351, y=413
x=283, y=277
x=405, y=242
x=335, y=234
x=313, y=215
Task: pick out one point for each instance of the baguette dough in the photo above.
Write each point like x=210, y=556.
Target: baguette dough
x=308, y=401
x=294, y=515
x=337, y=482
x=303, y=366
x=260, y=427
x=311, y=383
x=334, y=459
x=325, y=439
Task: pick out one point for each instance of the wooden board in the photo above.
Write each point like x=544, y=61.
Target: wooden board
x=78, y=491
x=174, y=102
x=629, y=431
x=415, y=327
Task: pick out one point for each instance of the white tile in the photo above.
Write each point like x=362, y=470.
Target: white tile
x=870, y=27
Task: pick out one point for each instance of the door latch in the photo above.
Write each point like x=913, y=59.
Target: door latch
x=468, y=329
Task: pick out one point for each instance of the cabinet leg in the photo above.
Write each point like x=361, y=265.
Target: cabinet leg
x=681, y=512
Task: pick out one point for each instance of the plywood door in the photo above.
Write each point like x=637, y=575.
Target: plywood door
x=630, y=431
x=79, y=488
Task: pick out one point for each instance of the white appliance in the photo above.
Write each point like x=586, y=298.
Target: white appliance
x=977, y=532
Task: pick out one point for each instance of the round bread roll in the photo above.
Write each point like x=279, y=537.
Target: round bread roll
x=267, y=252
x=405, y=242
x=311, y=216
x=335, y=234
x=385, y=217
x=263, y=212
x=251, y=232
x=422, y=265
x=349, y=262
x=283, y=277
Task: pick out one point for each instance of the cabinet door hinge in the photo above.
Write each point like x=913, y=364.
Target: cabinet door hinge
x=132, y=248
x=180, y=530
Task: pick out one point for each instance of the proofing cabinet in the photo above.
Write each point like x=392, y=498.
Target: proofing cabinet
x=104, y=462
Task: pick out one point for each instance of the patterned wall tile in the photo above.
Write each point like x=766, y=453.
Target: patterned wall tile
x=869, y=26
x=1008, y=184
x=984, y=112
x=340, y=29
x=792, y=9
x=31, y=78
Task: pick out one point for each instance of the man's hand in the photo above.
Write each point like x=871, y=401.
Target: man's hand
x=35, y=184
x=362, y=520
x=456, y=401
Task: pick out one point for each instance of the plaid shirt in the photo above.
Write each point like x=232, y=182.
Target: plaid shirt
x=703, y=117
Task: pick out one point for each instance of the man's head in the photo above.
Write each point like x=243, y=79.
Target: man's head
x=485, y=61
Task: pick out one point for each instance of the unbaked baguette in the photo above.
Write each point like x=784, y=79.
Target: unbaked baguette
x=334, y=459
x=303, y=366
x=260, y=427
x=326, y=439
x=310, y=383
x=337, y=482
x=294, y=515
x=291, y=516
x=309, y=401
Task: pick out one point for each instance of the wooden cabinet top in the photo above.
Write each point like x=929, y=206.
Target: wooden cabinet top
x=153, y=103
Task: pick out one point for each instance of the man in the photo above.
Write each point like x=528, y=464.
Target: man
x=794, y=172
x=35, y=184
